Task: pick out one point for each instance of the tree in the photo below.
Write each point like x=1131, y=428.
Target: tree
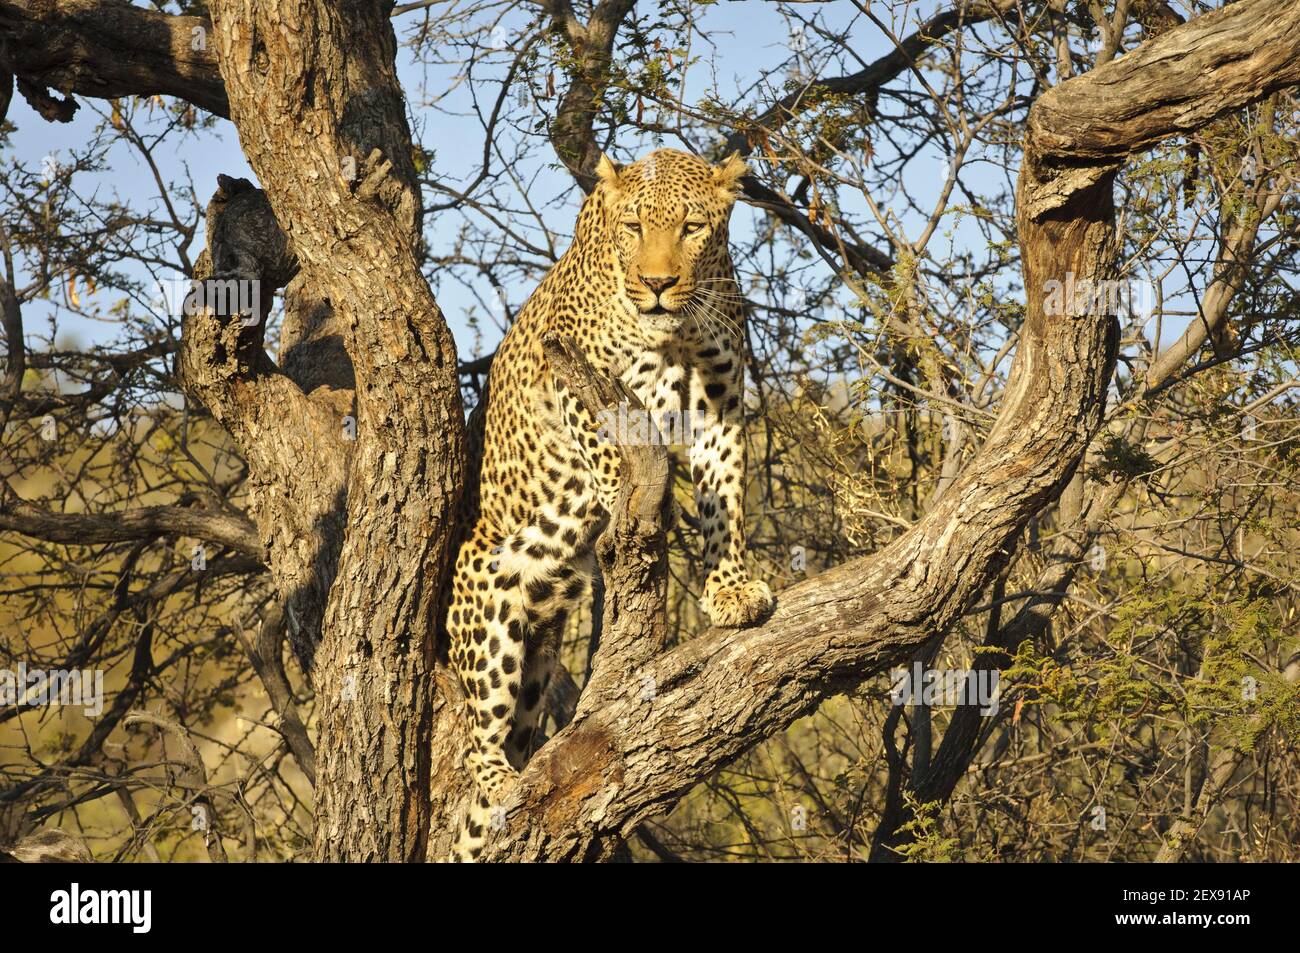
x=328, y=480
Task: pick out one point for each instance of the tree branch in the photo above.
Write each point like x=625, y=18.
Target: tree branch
x=958, y=748
x=322, y=120
x=633, y=550
x=193, y=778
x=867, y=82
x=572, y=133
x=295, y=488
x=223, y=529
x=107, y=50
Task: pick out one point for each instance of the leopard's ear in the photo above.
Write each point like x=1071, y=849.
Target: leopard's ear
x=607, y=172
x=728, y=174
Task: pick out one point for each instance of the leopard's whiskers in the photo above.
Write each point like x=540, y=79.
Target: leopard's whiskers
x=710, y=302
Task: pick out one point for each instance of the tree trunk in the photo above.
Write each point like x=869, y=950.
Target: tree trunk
x=314, y=94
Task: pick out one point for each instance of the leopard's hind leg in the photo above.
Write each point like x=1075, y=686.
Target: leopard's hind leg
x=508, y=611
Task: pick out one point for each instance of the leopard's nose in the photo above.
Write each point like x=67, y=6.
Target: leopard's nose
x=658, y=284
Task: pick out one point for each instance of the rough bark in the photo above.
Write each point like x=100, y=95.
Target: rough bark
x=295, y=489
x=106, y=50
x=314, y=94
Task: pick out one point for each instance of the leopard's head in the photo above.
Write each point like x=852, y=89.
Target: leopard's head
x=669, y=213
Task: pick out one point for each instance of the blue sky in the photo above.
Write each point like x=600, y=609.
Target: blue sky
x=749, y=36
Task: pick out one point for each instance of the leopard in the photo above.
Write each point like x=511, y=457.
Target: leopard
x=648, y=294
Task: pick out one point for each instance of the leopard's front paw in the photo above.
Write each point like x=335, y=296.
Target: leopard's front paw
x=739, y=605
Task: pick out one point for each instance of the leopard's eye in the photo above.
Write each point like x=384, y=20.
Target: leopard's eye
x=633, y=227
x=690, y=228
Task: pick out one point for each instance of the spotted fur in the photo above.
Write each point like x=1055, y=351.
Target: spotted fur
x=648, y=292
